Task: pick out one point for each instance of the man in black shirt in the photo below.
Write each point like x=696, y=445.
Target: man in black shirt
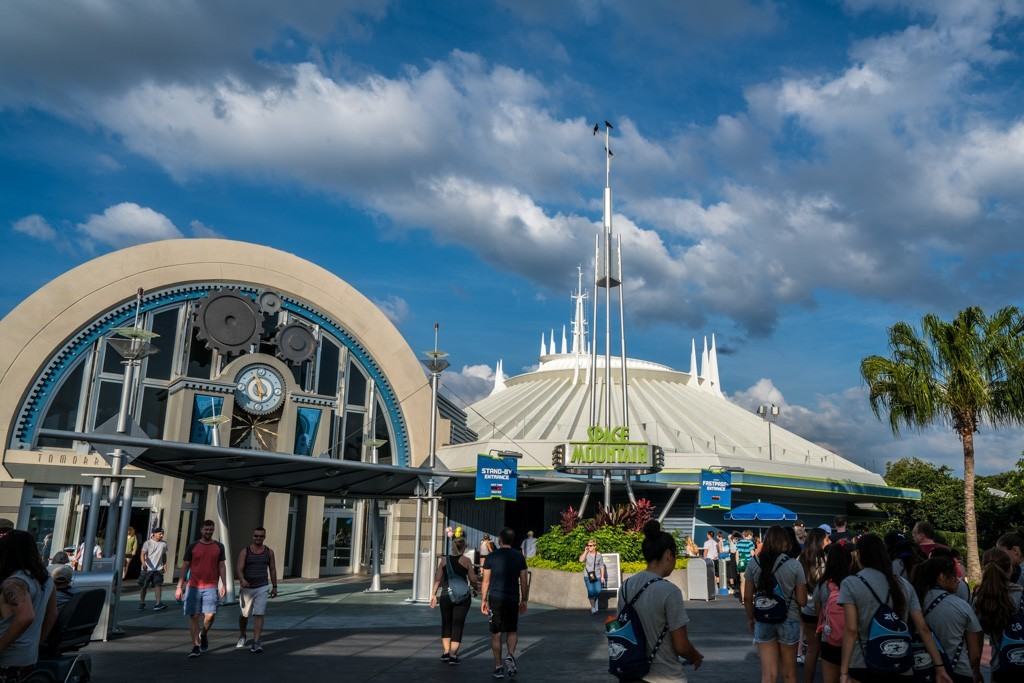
x=504, y=599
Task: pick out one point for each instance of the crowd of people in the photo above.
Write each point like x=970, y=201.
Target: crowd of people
x=873, y=609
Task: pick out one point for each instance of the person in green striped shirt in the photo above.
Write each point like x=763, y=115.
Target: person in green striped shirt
x=744, y=551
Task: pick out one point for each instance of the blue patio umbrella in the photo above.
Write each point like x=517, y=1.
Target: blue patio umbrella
x=765, y=512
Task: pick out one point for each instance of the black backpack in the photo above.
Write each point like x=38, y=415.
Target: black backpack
x=628, y=655
x=888, y=647
x=1011, y=645
x=771, y=606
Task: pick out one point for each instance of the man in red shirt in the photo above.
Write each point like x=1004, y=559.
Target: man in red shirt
x=207, y=582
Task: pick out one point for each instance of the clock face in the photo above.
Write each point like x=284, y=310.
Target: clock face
x=259, y=389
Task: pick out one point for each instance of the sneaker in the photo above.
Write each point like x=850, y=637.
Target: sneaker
x=159, y=607
x=499, y=672
x=256, y=647
x=445, y=657
x=453, y=660
x=204, y=642
x=510, y=666
x=242, y=642
x=195, y=652
x=142, y=606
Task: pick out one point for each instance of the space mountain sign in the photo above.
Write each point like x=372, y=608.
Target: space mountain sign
x=607, y=449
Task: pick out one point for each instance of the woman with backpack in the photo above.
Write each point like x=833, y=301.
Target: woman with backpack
x=775, y=590
x=877, y=608
x=812, y=559
x=999, y=604
x=831, y=622
x=453, y=577
x=658, y=605
x=951, y=619
x=595, y=574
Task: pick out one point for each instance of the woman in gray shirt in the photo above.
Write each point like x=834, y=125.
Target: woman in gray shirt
x=27, y=604
x=950, y=618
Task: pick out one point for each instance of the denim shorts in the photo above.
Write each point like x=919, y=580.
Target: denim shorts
x=786, y=633
x=201, y=601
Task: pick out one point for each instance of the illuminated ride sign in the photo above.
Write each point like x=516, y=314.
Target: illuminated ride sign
x=607, y=449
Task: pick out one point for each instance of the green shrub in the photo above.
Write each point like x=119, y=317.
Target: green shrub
x=564, y=548
x=538, y=562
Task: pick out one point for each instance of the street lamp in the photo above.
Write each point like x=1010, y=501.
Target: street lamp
x=214, y=422
x=769, y=413
x=374, y=444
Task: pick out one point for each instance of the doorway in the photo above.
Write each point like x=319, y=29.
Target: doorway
x=336, y=542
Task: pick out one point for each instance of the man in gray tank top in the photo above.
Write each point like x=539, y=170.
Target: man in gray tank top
x=257, y=574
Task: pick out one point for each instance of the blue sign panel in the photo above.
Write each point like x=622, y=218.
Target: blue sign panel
x=715, y=490
x=496, y=477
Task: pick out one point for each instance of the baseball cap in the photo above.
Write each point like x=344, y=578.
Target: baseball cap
x=62, y=573
x=826, y=528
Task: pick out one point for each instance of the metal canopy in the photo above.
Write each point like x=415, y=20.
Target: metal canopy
x=298, y=474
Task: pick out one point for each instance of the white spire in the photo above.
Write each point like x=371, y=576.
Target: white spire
x=551, y=347
x=713, y=358
x=704, y=361
x=499, y=378
x=579, y=322
x=565, y=342
x=543, y=345
x=693, y=362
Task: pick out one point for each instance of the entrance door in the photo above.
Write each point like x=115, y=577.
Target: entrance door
x=336, y=542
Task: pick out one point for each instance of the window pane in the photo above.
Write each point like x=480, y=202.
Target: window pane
x=165, y=324
x=63, y=411
x=204, y=406
x=199, y=358
x=353, y=436
x=154, y=408
x=381, y=429
x=327, y=384
x=307, y=421
x=111, y=360
x=356, y=394
x=107, y=402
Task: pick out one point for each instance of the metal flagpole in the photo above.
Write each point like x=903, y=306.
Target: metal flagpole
x=622, y=337
x=593, y=335
x=91, y=523
x=223, y=520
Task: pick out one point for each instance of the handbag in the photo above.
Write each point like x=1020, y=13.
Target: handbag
x=592, y=573
x=458, y=587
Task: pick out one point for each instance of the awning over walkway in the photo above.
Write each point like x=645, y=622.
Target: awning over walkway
x=298, y=474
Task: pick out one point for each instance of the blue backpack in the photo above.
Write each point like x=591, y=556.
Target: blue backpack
x=628, y=655
x=888, y=647
x=770, y=604
x=1011, y=645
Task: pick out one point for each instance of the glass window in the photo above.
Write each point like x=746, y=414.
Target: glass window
x=159, y=364
x=353, y=437
x=41, y=520
x=111, y=359
x=307, y=421
x=381, y=433
x=299, y=372
x=63, y=411
x=108, y=402
x=200, y=359
x=356, y=394
x=204, y=406
x=154, y=408
x=327, y=382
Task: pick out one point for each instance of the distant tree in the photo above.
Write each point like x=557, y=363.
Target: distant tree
x=961, y=374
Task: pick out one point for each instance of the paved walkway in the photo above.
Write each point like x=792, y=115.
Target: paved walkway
x=332, y=631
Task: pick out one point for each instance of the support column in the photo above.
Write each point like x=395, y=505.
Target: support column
x=275, y=520
x=170, y=516
x=311, y=537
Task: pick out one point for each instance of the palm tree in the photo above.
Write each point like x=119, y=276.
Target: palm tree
x=961, y=374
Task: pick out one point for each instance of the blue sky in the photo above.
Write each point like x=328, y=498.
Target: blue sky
x=794, y=177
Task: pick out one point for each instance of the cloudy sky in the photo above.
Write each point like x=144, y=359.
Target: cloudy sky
x=794, y=177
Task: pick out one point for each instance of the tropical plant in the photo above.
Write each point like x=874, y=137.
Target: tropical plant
x=644, y=513
x=569, y=520
x=961, y=374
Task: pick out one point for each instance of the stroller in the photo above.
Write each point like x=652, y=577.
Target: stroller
x=59, y=659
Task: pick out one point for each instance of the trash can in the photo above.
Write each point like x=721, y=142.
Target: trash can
x=700, y=579
x=95, y=579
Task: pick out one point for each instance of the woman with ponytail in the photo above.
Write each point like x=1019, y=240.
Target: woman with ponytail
x=812, y=559
x=776, y=642
x=996, y=601
x=660, y=608
x=861, y=595
x=950, y=618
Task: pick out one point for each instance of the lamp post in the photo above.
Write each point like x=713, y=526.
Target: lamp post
x=769, y=413
x=214, y=422
x=437, y=362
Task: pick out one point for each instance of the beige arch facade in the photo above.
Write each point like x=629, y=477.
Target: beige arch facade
x=39, y=326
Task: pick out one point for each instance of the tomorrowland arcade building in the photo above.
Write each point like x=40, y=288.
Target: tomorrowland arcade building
x=337, y=384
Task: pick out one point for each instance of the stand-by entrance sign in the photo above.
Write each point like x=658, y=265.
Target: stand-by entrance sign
x=715, y=490
x=496, y=477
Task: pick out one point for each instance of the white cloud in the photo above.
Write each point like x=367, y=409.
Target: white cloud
x=35, y=226
x=126, y=224
x=394, y=307
x=843, y=422
x=468, y=385
x=200, y=229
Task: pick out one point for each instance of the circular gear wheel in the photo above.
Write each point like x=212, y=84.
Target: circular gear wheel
x=270, y=303
x=295, y=343
x=228, y=322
